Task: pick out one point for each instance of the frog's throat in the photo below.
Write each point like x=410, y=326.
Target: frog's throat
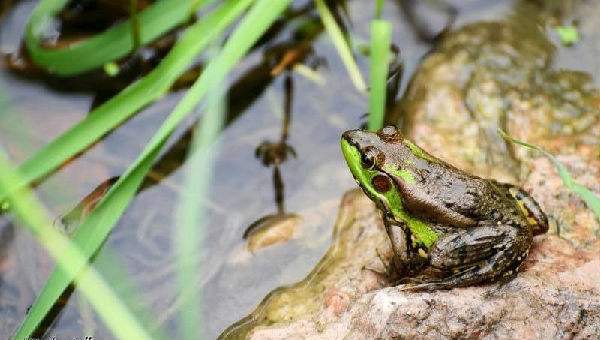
x=391, y=201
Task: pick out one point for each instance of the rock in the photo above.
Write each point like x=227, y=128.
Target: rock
x=271, y=230
x=557, y=294
x=492, y=75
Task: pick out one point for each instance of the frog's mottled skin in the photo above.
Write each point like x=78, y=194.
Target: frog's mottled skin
x=448, y=228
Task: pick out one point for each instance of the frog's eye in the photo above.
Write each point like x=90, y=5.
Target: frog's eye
x=369, y=158
x=381, y=183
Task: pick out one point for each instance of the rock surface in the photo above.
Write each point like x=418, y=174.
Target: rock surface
x=482, y=77
x=557, y=294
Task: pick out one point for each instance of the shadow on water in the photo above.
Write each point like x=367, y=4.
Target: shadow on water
x=274, y=154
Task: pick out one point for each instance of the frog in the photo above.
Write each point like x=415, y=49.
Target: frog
x=447, y=228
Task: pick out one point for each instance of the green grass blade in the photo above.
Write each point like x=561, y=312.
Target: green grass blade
x=590, y=198
x=68, y=256
x=341, y=45
x=115, y=43
x=191, y=214
x=378, y=8
x=381, y=35
x=92, y=233
x=119, y=108
x=88, y=237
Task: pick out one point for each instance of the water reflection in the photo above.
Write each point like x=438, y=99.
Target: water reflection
x=279, y=227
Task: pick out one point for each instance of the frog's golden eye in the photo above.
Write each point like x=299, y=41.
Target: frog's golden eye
x=367, y=162
x=371, y=157
x=381, y=183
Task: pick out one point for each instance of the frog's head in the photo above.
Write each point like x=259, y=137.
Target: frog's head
x=380, y=162
x=389, y=167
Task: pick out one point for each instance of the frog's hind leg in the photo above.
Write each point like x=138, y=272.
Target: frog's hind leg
x=473, y=256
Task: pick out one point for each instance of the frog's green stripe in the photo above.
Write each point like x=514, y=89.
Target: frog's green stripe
x=404, y=174
x=108, y=46
x=421, y=231
x=417, y=151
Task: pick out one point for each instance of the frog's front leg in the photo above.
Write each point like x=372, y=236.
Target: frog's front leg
x=405, y=260
x=485, y=253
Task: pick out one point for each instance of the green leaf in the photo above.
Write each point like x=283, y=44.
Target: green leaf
x=378, y=8
x=88, y=237
x=95, y=229
x=191, y=212
x=381, y=35
x=341, y=45
x=156, y=20
x=119, y=108
x=70, y=260
x=590, y=199
x=568, y=35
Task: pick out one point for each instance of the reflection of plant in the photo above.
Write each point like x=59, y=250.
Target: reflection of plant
x=102, y=50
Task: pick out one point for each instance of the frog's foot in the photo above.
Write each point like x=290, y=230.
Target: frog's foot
x=473, y=256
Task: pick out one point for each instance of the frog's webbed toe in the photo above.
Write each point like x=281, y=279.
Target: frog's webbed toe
x=473, y=256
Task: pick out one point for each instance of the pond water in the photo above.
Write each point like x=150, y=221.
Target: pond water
x=233, y=280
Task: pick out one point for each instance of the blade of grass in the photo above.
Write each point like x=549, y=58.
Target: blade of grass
x=590, y=199
x=134, y=21
x=112, y=113
x=191, y=213
x=68, y=256
x=378, y=8
x=87, y=235
x=341, y=45
x=112, y=44
x=94, y=230
x=381, y=35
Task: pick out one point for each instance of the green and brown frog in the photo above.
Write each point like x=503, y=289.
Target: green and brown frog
x=448, y=228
